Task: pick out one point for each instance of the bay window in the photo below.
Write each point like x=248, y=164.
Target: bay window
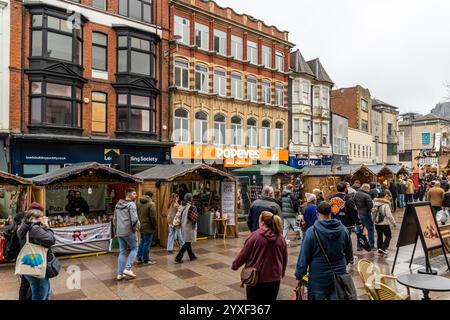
x=181, y=126
x=201, y=128
x=306, y=93
x=236, y=86
x=219, y=130
x=136, y=113
x=316, y=97
x=325, y=98
x=220, y=82
x=252, y=133
x=265, y=134
x=136, y=9
x=182, y=74
x=306, y=131
x=136, y=55
x=236, y=131
x=202, y=36
x=325, y=134
x=296, y=133
x=201, y=78
x=55, y=104
x=296, y=91
x=316, y=130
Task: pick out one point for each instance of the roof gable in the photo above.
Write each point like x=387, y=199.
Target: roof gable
x=319, y=71
x=299, y=64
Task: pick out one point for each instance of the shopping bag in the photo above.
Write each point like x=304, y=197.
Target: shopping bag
x=32, y=260
x=362, y=240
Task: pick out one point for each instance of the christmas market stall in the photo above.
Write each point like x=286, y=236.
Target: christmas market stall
x=275, y=175
x=79, y=201
x=382, y=173
x=325, y=178
x=214, y=191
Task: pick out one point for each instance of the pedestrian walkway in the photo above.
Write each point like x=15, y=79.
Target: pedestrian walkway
x=208, y=278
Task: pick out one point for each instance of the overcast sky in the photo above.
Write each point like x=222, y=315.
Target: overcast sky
x=398, y=49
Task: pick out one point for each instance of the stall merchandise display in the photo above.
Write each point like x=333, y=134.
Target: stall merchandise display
x=66, y=221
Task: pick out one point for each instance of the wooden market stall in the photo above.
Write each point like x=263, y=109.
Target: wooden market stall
x=213, y=190
x=325, y=178
x=100, y=187
x=382, y=173
x=275, y=175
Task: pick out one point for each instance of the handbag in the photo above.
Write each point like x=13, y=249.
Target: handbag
x=177, y=218
x=53, y=266
x=300, y=290
x=250, y=275
x=343, y=283
x=32, y=260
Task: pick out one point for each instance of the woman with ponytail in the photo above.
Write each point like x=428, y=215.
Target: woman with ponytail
x=266, y=251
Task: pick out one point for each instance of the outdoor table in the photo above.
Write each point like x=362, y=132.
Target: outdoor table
x=425, y=282
x=216, y=227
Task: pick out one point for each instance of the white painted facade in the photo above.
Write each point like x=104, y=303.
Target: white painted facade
x=361, y=147
x=4, y=64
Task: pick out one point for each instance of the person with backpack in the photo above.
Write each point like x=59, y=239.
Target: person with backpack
x=126, y=225
x=383, y=218
x=265, y=251
x=146, y=209
x=189, y=217
x=343, y=207
x=289, y=210
x=364, y=203
x=373, y=190
x=326, y=251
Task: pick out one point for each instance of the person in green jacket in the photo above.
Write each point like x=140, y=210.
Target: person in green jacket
x=147, y=216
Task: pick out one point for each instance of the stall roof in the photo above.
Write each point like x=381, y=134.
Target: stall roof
x=171, y=172
x=377, y=169
x=77, y=170
x=337, y=170
x=397, y=169
x=10, y=179
x=266, y=170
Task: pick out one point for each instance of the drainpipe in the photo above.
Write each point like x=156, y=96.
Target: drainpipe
x=169, y=78
x=22, y=80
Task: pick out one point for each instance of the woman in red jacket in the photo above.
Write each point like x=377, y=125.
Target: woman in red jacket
x=265, y=250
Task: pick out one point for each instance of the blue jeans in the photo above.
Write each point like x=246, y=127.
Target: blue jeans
x=322, y=295
x=401, y=200
x=40, y=288
x=366, y=221
x=171, y=239
x=125, y=243
x=144, y=248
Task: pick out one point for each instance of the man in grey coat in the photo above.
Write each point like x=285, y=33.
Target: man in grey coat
x=265, y=203
x=364, y=204
x=126, y=224
x=290, y=211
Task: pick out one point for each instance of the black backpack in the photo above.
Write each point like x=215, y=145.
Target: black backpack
x=12, y=246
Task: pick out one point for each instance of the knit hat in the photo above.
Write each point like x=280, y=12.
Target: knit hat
x=310, y=197
x=36, y=206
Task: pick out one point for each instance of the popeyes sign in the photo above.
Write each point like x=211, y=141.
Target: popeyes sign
x=230, y=157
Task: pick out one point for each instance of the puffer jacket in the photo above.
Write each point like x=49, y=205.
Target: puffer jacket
x=259, y=206
x=364, y=203
x=146, y=209
x=289, y=205
x=125, y=220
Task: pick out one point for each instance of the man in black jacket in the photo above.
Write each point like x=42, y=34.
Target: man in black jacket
x=345, y=211
x=364, y=203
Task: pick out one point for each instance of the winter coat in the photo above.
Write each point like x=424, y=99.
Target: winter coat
x=37, y=235
x=363, y=202
x=349, y=215
x=259, y=206
x=436, y=196
x=125, y=220
x=146, y=209
x=310, y=215
x=171, y=212
x=188, y=229
x=401, y=188
x=289, y=205
x=337, y=244
x=78, y=203
x=409, y=187
x=446, y=203
x=385, y=207
x=393, y=190
x=265, y=251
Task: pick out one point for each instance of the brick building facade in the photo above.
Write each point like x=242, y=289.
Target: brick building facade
x=88, y=81
x=229, y=86
x=4, y=82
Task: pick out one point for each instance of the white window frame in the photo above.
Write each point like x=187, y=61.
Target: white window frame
x=181, y=66
x=266, y=91
x=204, y=78
x=252, y=136
x=305, y=131
x=202, y=125
x=202, y=31
x=325, y=134
x=267, y=56
x=220, y=83
x=364, y=105
x=182, y=29
x=222, y=37
x=237, y=47
x=296, y=88
x=252, y=52
x=325, y=97
x=306, y=93
x=236, y=85
x=219, y=133
x=279, y=61
x=181, y=125
x=265, y=137
x=296, y=131
x=252, y=89
x=317, y=134
x=279, y=138
x=279, y=95
x=236, y=134
x=316, y=96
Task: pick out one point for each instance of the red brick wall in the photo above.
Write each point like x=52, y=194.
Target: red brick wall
x=345, y=102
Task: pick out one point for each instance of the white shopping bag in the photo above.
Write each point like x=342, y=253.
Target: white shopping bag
x=32, y=260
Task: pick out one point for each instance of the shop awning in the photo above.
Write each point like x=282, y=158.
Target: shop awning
x=171, y=172
x=267, y=170
x=10, y=179
x=84, y=171
x=398, y=169
x=380, y=170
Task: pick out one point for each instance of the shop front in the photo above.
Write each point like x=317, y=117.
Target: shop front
x=14, y=196
x=300, y=163
x=214, y=191
x=31, y=158
x=79, y=201
x=227, y=157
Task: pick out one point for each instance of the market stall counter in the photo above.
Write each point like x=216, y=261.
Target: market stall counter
x=14, y=198
x=79, y=201
x=214, y=191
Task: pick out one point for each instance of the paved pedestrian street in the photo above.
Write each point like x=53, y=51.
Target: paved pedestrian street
x=208, y=278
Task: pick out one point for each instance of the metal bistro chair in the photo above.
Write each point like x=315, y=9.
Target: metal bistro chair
x=365, y=270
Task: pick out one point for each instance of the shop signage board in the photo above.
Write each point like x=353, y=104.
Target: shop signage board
x=437, y=142
x=300, y=163
x=420, y=223
x=428, y=161
x=229, y=201
x=230, y=157
x=401, y=142
x=82, y=239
